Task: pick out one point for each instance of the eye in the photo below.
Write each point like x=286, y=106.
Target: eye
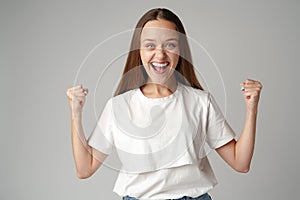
x=170, y=45
x=150, y=46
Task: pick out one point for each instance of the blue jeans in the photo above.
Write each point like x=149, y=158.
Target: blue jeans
x=202, y=197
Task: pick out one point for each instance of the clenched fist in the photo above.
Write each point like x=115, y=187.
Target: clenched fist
x=77, y=96
x=251, y=90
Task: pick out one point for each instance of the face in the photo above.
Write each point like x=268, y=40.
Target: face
x=159, y=50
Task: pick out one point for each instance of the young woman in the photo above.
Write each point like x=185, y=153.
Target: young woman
x=160, y=120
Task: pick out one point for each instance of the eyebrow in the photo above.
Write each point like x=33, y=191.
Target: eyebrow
x=153, y=40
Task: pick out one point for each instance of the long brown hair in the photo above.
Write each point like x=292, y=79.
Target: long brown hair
x=134, y=74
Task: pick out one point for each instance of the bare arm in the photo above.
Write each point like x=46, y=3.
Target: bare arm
x=238, y=154
x=87, y=159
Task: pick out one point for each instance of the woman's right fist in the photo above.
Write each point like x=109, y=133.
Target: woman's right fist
x=76, y=96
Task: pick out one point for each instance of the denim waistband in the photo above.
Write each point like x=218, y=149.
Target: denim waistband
x=202, y=197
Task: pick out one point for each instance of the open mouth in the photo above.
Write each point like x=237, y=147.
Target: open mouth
x=160, y=67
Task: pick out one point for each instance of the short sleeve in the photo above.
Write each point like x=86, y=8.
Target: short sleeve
x=218, y=131
x=101, y=137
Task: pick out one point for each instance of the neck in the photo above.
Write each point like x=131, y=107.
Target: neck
x=160, y=90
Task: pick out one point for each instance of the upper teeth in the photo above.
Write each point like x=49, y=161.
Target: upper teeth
x=160, y=64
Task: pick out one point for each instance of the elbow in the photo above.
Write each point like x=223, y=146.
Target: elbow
x=83, y=175
x=243, y=170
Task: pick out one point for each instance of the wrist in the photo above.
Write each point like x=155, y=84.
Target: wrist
x=76, y=115
x=252, y=111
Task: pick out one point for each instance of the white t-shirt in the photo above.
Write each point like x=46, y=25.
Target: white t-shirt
x=162, y=143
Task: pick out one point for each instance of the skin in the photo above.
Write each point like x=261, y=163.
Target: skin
x=238, y=154
x=87, y=159
x=155, y=46
x=159, y=44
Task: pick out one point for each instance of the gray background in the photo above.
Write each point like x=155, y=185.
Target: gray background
x=42, y=44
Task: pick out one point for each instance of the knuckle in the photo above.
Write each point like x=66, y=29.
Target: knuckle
x=69, y=93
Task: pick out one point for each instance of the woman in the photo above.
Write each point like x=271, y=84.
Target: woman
x=160, y=118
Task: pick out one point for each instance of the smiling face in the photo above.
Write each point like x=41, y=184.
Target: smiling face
x=159, y=50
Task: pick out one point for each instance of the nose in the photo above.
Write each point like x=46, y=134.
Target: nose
x=160, y=53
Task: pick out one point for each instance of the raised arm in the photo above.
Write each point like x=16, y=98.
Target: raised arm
x=238, y=154
x=87, y=159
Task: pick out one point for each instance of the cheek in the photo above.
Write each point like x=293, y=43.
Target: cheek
x=145, y=56
x=174, y=57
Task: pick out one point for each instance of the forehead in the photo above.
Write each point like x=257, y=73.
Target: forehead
x=159, y=30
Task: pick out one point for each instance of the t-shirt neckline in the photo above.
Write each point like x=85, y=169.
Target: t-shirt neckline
x=169, y=97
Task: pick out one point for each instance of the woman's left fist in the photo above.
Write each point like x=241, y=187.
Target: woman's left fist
x=251, y=90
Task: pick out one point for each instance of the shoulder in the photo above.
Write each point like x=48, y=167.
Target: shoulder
x=122, y=101
x=125, y=95
x=195, y=94
x=116, y=104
